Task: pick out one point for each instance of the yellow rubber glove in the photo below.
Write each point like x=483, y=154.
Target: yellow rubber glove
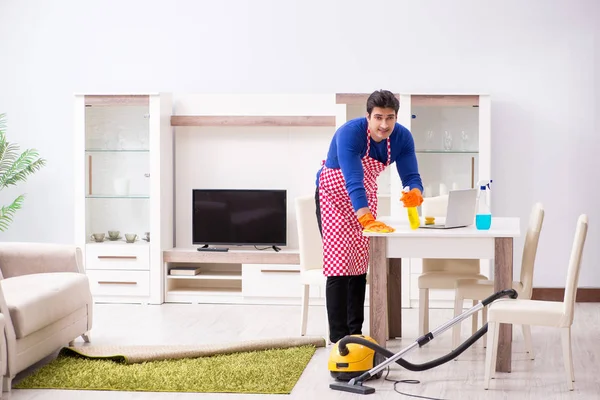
x=369, y=224
x=412, y=198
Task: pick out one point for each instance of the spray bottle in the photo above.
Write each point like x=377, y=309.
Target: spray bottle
x=483, y=217
x=413, y=214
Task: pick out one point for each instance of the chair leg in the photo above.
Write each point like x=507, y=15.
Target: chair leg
x=458, y=303
x=423, y=311
x=474, y=320
x=528, y=341
x=568, y=356
x=304, y=312
x=483, y=322
x=491, y=352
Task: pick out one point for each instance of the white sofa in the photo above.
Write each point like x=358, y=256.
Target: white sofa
x=46, y=300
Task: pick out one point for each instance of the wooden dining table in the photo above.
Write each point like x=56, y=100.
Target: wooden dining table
x=387, y=250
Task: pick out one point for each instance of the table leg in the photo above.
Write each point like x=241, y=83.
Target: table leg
x=394, y=297
x=378, y=290
x=503, y=279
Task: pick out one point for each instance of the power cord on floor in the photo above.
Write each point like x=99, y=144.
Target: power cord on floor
x=410, y=381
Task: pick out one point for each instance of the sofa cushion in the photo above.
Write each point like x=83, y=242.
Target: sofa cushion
x=38, y=300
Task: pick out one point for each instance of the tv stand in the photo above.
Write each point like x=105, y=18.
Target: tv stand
x=276, y=248
x=207, y=248
x=239, y=276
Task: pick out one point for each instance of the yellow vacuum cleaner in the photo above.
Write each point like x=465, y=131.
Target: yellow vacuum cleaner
x=357, y=358
x=354, y=361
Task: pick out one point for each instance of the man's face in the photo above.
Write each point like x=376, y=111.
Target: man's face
x=381, y=123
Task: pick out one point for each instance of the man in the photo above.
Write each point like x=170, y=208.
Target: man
x=346, y=199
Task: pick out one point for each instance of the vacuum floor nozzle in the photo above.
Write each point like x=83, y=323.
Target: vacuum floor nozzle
x=352, y=388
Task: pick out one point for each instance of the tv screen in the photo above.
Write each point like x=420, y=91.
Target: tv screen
x=239, y=217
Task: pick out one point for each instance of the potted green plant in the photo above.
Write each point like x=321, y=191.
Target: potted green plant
x=15, y=167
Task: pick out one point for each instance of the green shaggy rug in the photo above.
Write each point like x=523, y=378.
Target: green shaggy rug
x=265, y=371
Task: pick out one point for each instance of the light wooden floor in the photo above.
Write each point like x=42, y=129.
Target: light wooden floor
x=186, y=324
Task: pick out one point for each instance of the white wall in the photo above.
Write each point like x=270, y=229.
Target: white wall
x=535, y=57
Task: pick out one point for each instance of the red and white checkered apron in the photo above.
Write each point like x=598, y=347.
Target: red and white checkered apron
x=345, y=249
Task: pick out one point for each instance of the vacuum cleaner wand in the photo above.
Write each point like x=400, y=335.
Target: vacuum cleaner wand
x=355, y=384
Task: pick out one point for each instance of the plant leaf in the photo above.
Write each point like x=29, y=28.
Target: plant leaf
x=14, y=168
x=8, y=154
x=7, y=212
x=27, y=164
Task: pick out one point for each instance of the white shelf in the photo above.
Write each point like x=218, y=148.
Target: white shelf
x=205, y=291
x=119, y=242
x=212, y=275
x=117, y=150
x=111, y=196
x=446, y=152
x=253, y=120
x=192, y=255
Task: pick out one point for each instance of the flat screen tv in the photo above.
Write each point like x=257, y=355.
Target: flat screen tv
x=239, y=217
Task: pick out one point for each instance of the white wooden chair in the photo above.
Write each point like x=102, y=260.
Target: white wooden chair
x=441, y=273
x=477, y=290
x=541, y=313
x=311, y=254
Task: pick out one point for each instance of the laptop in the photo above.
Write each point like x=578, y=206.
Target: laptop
x=461, y=210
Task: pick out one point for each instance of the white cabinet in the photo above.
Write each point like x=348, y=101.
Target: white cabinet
x=452, y=135
x=124, y=185
x=273, y=281
x=123, y=152
x=236, y=276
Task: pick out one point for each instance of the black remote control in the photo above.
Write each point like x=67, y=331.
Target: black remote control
x=221, y=249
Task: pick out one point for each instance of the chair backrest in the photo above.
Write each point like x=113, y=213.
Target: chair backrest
x=309, y=237
x=575, y=266
x=435, y=206
x=536, y=219
x=455, y=265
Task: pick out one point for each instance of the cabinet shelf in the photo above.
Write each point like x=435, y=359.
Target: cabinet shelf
x=120, y=242
x=109, y=196
x=212, y=275
x=236, y=120
x=204, y=291
x=355, y=98
x=446, y=152
x=117, y=151
x=191, y=255
x=432, y=100
x=117, y=100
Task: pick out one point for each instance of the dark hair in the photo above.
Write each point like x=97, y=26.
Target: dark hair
x=383, y=99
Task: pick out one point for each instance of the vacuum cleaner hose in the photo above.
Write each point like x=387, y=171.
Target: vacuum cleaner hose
x=343, y=348
x=416, y=367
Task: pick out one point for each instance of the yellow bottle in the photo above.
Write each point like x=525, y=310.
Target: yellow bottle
x=413, y=217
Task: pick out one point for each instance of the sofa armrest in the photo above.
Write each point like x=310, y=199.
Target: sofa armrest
x=19, y=258
x=3, y=347
x=8, y=348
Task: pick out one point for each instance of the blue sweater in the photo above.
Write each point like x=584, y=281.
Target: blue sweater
x=349, y=146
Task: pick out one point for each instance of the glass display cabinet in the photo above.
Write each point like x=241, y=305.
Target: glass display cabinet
x=123, y=193
x=452, y=134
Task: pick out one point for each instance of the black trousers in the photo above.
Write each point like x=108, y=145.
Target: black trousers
x=344, y=298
